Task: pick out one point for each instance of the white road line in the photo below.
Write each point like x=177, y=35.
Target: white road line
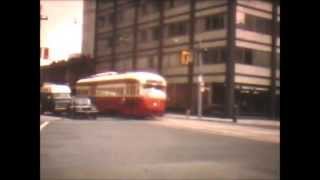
x=44, y=125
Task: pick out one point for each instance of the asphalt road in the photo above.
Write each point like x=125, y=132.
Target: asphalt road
x=113, y=148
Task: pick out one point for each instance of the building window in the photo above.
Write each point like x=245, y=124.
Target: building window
x=156, y=33
x=109, y=42
x=175, y=3
x=101, y=21
x=144, y=8
x=214, y=55
x=257, y=24
x=143, y=35
x=171, y=60
x=252, y=57
x=218, y=96
x=171, y=29
x=103, y=2
x=247, y=56
x=215, y=22
x=155, y=4
x=151, y=62
x=170, y=4
x=278, y=28
x=120, y=16
x=278, y=61
x=142, y=63
x=166, y=61
x=177, y=29
x=111, y=18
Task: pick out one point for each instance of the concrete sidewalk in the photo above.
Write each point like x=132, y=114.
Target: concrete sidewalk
x=240, y=121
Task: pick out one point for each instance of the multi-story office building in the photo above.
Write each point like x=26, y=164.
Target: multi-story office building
x=238, y=41
x=88, y=32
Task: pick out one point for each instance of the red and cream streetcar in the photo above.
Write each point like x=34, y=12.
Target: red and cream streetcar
x=131, y=93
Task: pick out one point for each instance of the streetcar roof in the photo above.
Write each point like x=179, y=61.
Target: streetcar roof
x=55, y=88
x=142, y=77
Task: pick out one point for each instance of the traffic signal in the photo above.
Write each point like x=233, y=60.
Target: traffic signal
x=45, y=53
x=185, y=57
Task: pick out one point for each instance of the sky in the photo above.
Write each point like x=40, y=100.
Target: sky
x=62, y=32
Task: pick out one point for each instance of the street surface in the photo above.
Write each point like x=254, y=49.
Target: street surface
x=163, y=148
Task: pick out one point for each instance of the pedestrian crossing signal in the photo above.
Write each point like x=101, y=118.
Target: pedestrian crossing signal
x=185, y=57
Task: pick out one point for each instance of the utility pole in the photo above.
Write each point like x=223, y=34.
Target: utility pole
x=190, y=107
x=42, y=18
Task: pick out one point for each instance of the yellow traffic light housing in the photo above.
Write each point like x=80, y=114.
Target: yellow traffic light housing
x=185, y=57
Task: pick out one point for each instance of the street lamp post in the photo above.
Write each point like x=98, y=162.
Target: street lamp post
x=200, y=79
x=200, y=85
x=197, y=57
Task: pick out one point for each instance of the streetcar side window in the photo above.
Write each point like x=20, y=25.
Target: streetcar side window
x=132, y=90
x=109, y=91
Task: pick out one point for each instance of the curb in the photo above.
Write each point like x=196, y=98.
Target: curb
x=254, y=122
x=46, y=117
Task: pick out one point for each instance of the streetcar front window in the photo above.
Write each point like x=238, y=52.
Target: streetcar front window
x=149, y=86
